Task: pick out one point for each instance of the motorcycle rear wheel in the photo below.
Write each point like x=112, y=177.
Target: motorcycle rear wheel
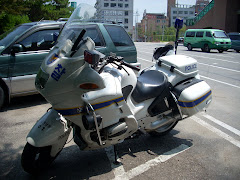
x=162, y=131
x=36, y=159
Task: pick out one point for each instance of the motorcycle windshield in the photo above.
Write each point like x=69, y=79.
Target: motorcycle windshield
x=71, y=30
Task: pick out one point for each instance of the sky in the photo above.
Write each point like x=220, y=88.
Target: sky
x=152, y=6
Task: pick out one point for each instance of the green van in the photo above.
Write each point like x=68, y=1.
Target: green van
x=207, y=39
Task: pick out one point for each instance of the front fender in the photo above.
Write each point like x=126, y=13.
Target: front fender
x=50, y=129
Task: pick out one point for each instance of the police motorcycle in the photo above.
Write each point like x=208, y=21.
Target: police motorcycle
x=102, y=101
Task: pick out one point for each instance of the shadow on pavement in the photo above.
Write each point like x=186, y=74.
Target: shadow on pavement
x=75, y=164
x=25, y=101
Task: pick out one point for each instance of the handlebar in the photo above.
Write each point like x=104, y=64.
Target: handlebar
x=130, y=66
x=119, y=59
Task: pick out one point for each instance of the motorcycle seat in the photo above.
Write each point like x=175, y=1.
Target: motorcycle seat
x=150, y=84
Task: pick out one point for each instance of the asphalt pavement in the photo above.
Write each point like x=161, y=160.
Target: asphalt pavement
x=205, y=146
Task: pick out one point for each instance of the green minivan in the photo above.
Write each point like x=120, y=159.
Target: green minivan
x=207, y=39
x=23, y=49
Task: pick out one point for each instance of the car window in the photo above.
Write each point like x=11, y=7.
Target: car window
x=220, y=34
x=12, y=35
x=190, y=34
x=40, y=40
x=199, y=34
x=208, y=34
x=119, y=36
x=92, y=31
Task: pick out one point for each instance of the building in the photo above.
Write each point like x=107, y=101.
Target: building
x=218, y=14
x=200, y=5
x=118, y=11
x=152, y=24
x=170, y=4
x=181, y=11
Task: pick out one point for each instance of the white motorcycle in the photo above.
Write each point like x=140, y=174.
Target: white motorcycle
x=103, y=101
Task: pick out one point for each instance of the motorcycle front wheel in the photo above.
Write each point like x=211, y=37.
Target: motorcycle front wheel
x=36, y=159
x=162, y=131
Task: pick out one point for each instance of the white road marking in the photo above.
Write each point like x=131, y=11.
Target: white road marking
x=201, y=76
x=219, y=67
x=213, y=58
x=216, y=131
x=219, y=81
x=154, y=162
x=120, y=174
x=118, y=170
x=220, y=123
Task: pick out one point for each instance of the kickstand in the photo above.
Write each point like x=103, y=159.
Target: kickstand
x=115, y=154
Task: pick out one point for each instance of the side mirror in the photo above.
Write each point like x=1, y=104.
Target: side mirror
x=16, y=48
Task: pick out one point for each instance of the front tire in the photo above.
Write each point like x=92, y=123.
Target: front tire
x=189, y=46
x=162, y=131
x=36, y=159
x=2, y=97
x=206, y=48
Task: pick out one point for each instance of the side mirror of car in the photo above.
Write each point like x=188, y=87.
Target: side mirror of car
x=16, y=48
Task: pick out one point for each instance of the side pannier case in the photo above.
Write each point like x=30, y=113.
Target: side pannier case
x=193, y=95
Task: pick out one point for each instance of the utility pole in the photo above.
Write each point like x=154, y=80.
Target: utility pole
x=163, y=26
x=136, y=25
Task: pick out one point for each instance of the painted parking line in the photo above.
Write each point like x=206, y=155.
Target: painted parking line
x=120, y=174
x=154, y=162
x=216, y=131
x=220, y=123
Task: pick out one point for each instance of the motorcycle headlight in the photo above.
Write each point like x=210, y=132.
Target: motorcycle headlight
x=41, y=79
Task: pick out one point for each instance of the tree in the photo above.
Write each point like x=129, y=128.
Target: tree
x=48, y=9
x=14, y=12
x=11, y=16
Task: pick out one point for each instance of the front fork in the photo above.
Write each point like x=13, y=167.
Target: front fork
x=52, y=129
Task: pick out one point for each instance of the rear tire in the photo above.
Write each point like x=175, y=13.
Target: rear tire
x=162, y=131
x=206, y=48
x=2, y=97
x=36, y=159
x=189, y=46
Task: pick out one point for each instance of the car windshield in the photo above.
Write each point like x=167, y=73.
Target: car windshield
x=9, y=36
x=220, y=34
x=83, y=13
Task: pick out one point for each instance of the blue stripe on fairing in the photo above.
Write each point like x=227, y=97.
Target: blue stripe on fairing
x=195, y=102
x=79, y=110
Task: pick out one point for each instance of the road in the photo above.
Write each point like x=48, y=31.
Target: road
x=205, y=146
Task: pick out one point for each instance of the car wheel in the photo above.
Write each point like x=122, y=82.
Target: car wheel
x=220, y=50
x=189, y=46
x=206, y=48
x=165, y=129
x=36, y=159
x=237, y=51
x=2, y=97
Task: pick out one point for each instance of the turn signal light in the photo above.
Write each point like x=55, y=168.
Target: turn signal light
x=89, y=86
